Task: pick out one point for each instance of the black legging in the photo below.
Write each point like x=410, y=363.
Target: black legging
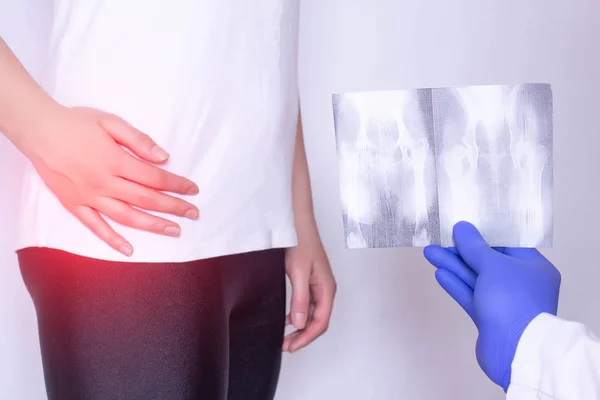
x=202, y=330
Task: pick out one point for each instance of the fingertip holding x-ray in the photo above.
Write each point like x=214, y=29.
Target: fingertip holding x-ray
x=414, y=162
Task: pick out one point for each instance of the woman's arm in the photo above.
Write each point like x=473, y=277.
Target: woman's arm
x=301, y=192
x=23, y=103
x=79, y=155
x=313, y=284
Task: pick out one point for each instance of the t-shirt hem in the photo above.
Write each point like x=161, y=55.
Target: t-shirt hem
x=259, y=241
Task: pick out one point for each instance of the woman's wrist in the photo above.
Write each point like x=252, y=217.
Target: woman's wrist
x=27, y=125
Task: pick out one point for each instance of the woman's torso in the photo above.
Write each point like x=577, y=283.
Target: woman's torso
x=211, y=81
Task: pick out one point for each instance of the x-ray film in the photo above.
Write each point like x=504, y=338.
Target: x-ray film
x=412, y=163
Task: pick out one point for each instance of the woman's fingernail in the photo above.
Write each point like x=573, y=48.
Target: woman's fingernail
x=172, y=231
x=126, y=249
x=158, y=152
x=193, y=190
x=299, y=320
x=192, y=214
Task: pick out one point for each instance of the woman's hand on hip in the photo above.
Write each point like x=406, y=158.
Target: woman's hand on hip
x=81, y=155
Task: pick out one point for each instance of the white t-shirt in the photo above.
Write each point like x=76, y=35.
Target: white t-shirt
x=214, y=82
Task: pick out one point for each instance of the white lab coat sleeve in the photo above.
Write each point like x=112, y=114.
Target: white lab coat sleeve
x=556, y=360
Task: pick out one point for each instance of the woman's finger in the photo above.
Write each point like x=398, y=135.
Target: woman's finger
x=323, y=296
x=131, y=138
x=95, y=223
x=287, y=340
x=299, y=275
x=154, y=177
x=150, y=199
x=124, y=214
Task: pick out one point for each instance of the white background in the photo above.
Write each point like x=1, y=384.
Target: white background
x=395, y=334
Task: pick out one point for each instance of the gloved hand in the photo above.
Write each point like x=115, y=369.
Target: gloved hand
x=502, y=290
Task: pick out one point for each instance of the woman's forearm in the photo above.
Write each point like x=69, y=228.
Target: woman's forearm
x=301, y=191
x=23, y=103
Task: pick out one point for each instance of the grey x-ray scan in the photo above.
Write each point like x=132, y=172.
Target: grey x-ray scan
x=412, y=163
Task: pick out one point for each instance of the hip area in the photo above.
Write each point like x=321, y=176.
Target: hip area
x=234, y=218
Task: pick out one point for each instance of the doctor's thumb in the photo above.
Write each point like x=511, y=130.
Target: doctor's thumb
x=471, y=246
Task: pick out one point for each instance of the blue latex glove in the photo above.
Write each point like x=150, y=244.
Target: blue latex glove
x=501, y=289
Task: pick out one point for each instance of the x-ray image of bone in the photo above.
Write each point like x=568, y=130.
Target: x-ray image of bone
x=494, y=164
x=530, y=127
x=414, y=162
x=387, y=169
